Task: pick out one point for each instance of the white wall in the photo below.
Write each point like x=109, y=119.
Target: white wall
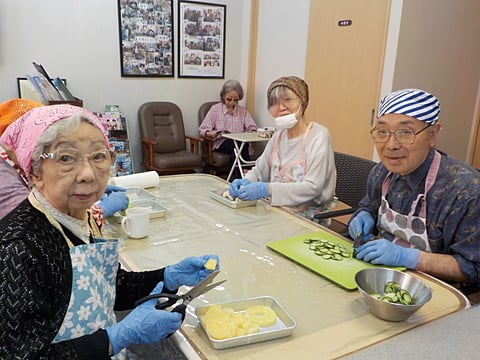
x=281, y=48
x=79, y=40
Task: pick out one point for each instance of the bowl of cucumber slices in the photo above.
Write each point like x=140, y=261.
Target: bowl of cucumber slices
x=391, y=294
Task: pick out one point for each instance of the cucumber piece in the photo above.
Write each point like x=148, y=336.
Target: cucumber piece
x=394, y=293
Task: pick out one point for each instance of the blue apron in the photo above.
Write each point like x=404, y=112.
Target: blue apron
x=94, y=273
x=92, y=295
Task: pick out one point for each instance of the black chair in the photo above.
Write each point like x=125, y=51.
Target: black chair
x=351, y=185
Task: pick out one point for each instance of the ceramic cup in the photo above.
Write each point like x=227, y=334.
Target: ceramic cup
x=136, y=222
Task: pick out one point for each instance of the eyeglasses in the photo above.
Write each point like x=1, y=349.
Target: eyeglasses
x=231, y=100
x=285, y=102
x=69, y=158
x=403, y=136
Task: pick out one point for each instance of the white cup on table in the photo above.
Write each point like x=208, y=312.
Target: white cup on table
x=136, y=222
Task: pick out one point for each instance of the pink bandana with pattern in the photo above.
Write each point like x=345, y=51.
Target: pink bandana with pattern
x=22, y=134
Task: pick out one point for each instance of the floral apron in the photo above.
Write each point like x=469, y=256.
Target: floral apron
x=407, y=230
x=92, y=297
x=291, y=172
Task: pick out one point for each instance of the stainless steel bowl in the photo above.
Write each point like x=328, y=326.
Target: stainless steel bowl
x=373, y=280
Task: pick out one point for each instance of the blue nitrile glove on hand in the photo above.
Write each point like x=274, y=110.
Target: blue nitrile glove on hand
x=361, y=226
x=114, y=200
x=144, y=324
x=111, y=188
x=235, y=186
x=384, y=252
x=189, y=271
x=254, y=191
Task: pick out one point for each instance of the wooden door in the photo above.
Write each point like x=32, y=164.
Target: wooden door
x=344, y=65
x=475, y=161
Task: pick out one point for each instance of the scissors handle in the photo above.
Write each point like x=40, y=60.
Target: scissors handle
x=164, y=300
x=180, y=309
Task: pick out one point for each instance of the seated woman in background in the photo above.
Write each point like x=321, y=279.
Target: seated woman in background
x=297, y=166
x=60, y=280
x=228, y=117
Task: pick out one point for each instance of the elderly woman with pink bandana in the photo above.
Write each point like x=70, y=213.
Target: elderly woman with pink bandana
x=60, y=280
x=14, y=187
x=422, y=208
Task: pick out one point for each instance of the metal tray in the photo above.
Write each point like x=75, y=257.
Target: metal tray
x=266, y=132
x=282, y=328
x=137, y=194
x=156, y=210
x=234, y=204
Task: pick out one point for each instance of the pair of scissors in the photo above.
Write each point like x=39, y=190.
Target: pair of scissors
x=166, y=300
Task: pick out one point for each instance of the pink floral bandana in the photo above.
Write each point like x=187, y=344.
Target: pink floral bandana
x=22, y=134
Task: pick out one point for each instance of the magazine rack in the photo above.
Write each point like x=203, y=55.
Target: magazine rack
x=116, y=125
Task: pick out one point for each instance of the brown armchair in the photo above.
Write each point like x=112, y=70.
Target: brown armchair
x=164, y=147
x=214, y=161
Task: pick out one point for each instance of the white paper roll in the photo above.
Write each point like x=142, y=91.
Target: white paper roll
x=145, y=180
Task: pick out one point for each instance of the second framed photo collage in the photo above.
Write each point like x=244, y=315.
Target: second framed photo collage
x=147, y=42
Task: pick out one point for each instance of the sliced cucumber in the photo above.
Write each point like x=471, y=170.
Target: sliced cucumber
x=394, y=293
x=327, y=250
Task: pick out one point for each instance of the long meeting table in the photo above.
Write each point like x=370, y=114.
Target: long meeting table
x=331, y=322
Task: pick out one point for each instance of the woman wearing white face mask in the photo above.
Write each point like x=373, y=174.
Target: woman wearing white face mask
x=297, y=166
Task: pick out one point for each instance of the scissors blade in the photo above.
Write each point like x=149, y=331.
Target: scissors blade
x=207, y=288
x=357, y=241
x=202, y=287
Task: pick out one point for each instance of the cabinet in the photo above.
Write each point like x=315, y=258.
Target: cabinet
x=116, y=125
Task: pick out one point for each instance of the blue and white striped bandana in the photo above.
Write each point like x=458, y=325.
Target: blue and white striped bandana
x=412, y=102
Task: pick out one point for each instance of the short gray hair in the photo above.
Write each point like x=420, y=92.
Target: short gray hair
x=231, y=85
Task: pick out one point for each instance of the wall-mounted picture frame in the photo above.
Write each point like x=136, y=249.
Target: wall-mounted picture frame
x=146, y=38
x=201, y=40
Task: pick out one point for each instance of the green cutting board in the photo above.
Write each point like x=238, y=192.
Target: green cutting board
x=340, y=272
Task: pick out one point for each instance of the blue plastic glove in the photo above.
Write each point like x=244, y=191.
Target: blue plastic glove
x=361, y=225
x=113, y=202
x=254, y=191
x=384, y=252
x=236, y=185
x=112, y=188
x=144, y=324
x=189, y=271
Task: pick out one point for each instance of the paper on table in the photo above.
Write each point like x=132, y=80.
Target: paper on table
x=145, y=180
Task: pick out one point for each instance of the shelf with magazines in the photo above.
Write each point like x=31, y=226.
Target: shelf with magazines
x=116, y=125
